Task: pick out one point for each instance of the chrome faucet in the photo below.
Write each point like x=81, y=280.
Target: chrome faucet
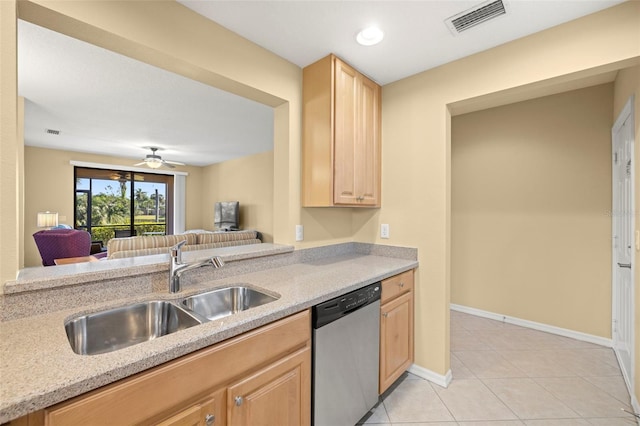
x=177, y=267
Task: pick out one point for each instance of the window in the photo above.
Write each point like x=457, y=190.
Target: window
x=110, y=203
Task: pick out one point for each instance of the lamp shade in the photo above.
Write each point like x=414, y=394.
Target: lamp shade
x=47, y=219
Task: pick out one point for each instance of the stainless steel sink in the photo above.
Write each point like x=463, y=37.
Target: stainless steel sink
x=226, y=301
x=119, y=328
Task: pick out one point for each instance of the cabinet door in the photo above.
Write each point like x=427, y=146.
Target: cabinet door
x=280, y=394
x=396, y=339
x=346, y=128
x=208, y=412
x=367, y=157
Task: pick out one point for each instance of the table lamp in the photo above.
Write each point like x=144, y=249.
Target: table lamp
x=47, y=219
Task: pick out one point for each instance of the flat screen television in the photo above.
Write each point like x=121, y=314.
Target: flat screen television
x=227, y=215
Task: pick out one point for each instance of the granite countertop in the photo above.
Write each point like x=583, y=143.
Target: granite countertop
x=39, y=369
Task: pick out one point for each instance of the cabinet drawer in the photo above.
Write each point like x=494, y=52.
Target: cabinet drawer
x=396, y=285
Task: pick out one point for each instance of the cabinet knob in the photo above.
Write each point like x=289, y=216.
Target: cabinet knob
x=401, y=284
x=238, y=400
x=385, y=314
x=209, y=419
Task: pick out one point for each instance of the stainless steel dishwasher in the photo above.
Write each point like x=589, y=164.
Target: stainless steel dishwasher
x=346, y=352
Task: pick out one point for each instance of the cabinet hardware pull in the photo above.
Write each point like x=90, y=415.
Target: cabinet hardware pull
x=385, y=314
x=209, y=419
x=238, y=400
x=401, y=285
x=624, y=265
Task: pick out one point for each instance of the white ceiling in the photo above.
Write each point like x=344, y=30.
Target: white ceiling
x=105, y=103
x=416, y=37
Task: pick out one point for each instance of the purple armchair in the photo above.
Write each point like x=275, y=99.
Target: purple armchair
x=60, y=243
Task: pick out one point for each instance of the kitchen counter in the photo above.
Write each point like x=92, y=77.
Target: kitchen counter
x=39, y=369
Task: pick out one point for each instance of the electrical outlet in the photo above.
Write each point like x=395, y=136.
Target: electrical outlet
x=384, y=230
x=299, y=232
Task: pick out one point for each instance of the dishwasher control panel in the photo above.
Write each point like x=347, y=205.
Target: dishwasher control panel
x=359, y=298
x=333, y=309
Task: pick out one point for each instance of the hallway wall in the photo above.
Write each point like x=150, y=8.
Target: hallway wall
x=531, y=201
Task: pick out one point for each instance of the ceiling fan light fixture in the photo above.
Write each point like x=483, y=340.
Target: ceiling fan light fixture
x=370, y=36
x=154, y=163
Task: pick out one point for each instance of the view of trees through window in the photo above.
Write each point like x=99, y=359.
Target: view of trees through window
x=114, y=203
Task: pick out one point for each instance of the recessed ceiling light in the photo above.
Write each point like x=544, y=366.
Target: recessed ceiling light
x=370, y=36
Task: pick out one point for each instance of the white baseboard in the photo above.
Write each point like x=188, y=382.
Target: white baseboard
x=431, y=376
x=602, y=341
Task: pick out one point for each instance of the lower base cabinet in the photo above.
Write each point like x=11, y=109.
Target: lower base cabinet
x=271, y=396
x=262, y=377
x=396, y=328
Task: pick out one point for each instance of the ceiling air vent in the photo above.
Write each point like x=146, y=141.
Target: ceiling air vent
x=475, y=16
x=52, y=132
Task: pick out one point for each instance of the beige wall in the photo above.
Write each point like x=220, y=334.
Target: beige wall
x=10, y=147
x=628, y=83
x=530, y=196
x=416, y=142
x=49, y=186
x=248, y=180
x=170, y=36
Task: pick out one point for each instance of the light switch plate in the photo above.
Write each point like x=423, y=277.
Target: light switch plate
x=299, y=232
x=384, y=230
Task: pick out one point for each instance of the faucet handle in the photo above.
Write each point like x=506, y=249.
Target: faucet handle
x=217, y=262
x=176, y=251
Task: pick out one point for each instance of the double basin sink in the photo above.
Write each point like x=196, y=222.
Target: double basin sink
x=118, y=328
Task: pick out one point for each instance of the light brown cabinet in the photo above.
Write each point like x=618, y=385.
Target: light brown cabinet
x=260, y=377
x=272, y=396
x=210, y=411
x=341, y=120
x=396, y=328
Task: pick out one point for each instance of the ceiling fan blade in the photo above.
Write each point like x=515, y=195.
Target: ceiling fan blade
x=140, y=164
x=177, y=163
x=167, y=164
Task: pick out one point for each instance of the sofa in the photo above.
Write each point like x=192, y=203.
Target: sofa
x=118, y=248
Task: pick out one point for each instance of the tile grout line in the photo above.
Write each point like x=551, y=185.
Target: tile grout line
x=441, y=401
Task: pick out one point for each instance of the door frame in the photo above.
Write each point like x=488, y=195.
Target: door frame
x=627, y=112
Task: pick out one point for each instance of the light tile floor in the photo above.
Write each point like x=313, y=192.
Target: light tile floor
x=505, y=375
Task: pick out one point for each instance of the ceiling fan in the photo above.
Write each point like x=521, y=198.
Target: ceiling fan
x=154, y=161
x=125, y=177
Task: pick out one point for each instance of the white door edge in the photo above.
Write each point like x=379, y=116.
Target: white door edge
x=626, y=113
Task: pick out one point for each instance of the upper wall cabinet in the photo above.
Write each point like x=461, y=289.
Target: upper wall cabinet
x=341, y=136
